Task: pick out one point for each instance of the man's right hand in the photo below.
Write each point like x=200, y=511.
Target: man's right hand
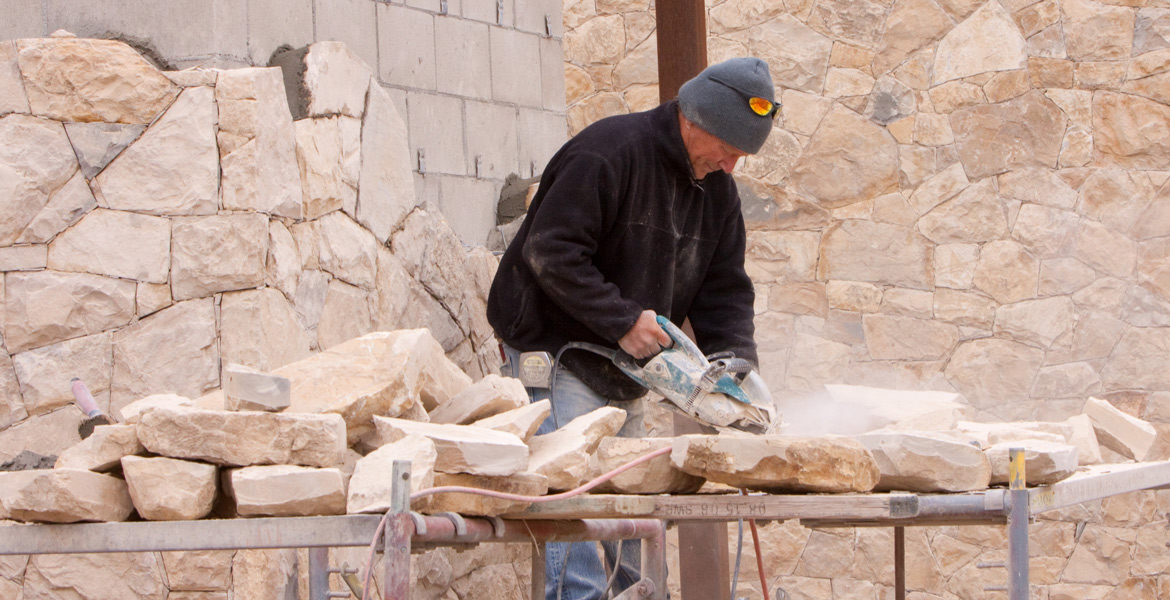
x=645, y=338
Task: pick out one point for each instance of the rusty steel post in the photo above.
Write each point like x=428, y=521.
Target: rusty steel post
x=397, y=534
x=682, y=44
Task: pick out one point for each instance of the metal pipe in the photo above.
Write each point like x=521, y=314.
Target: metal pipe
x=899, y=563
x=443, y=531
x=1018, y=527
x=318, y=573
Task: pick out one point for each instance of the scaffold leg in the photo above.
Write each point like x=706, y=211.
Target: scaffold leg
x=1018, y=528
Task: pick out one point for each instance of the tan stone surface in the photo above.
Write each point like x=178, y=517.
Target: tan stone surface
x=65, y=207
x=371, y=487
x=166, y=489
x=866, y=152
x=778, y=463
x=563, y=455
x=322, y=157
x=115, y=244
x=172, y=169
x=217, y=254
x=336, y=80
x=903, y=338
x=102, y=450
x=199, y=570
x=382, y=373
x=259, y=329
x=974, y=215
x=1007, y=271
x=521, y=422
x=248, y=389
x=138, y=575
x=47, y=307
x=34, y=169
x=386, y=187
x=259, y=168
x=173, y=350
x=45, y=374
x=879, y=253
x=84, y=80
x=131, y=412
x=345, y=314
x=243, y=438
x=657, y=476
x=264, y=573
x=487, y=397
x=461, y=449
x=1120, y=432
x=1037, y=322
x=921, y=462
x=65, y=496
x=1044, y=462
x=988, y=40
x=520, y=484
x=12, y=96
x=287, y=491
x=991, y=372
x=96, y=144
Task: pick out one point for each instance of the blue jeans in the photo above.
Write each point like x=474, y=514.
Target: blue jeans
x=573, y=571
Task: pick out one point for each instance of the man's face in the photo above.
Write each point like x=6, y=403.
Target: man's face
x=707, y=152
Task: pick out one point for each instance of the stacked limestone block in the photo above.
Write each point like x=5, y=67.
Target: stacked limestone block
x=957, y=195
x=157, y=227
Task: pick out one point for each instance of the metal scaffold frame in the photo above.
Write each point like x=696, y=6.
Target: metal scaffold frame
x=599, y=517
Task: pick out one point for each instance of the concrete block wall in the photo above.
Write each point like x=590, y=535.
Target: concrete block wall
x=480, y=83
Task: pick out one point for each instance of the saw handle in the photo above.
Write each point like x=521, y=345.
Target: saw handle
x=680, y=339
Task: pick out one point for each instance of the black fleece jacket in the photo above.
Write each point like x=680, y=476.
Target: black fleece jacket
x=619, y=225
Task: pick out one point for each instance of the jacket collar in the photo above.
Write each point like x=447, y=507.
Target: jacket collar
x=669, y=139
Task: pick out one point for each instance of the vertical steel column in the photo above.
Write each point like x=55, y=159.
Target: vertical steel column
x=682, y=43
x=899, y=563
x=538, y=571
x=398, y=531
x=1018, y=527
x=654, y=562
x=703, y=558
x=318, y=573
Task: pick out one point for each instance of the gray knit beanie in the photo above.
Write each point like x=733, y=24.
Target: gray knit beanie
x=717, y=101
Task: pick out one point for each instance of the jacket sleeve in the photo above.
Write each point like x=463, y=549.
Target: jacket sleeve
x=723, y=309
x=573, y=214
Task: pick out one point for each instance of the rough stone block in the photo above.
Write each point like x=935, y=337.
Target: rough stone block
x=520, y=484
x=218, y=254
x=370, y=487
x=46, y=434
x=1044, y=462
x=199, y=570
x=287, y=491
x=521, y=422
x=324, y=150
x=96, y=144
x=336, y=79
x=45, y=374
x=347, y=250
x=1120, y=432
x=12, y=96
x=102, y=450
x=386, y=186
x=173, y=167
x=345, y=314
x=46, y=307
x=131, y=412
x=83, y=80
x=382, y=373
x=260, y=329
x=39, y=163
x=656, y=476
x=563, y=455
x=461, y=449
x=24, y=258
x=249, y=389
x=66, y=206
x=778, y=463
x=487, y=397
x=921, y=462
x=166, y=489
x=244, y=438
x=64, y=496
x=115, y=244
x=174, y=349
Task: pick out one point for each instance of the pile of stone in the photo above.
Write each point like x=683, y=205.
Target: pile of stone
x=319, y=436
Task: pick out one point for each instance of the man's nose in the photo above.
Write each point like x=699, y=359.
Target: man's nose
x=728, y=163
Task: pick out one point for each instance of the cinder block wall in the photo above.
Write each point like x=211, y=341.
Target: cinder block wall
x=479, y=82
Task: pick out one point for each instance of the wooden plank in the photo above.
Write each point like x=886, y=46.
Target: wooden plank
x=211, y=534
x=1097, y=482
x=726, y=508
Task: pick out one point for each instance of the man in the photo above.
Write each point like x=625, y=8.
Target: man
x=636, y=216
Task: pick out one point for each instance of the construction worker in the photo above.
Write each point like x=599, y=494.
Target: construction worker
x=636, y=216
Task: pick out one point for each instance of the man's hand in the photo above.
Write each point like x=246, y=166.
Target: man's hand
x=645, y=338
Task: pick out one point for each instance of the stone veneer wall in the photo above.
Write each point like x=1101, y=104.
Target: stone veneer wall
x=962, y=195
x=158, y=226
x=478, y=82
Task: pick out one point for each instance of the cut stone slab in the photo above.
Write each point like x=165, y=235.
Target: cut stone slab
x=287, y=491
x=656, y=476
x=563, y=455
x=1084, y=437
x=520, y=484
x=913, y=462
x=903, y=410
x=115, y=243
x=248, y=389
x=133, y=411
x=244, y=438
x=102, y=450
x=381, y=373
x=461, y=449
x=990, y=434
x=521, y=422
x=168, y=489
x=1120, y=432
x=487, y=397
x=778, y=463
x=370, y=486
x=47, y=307
x=64, y=496
x=1044, y=462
